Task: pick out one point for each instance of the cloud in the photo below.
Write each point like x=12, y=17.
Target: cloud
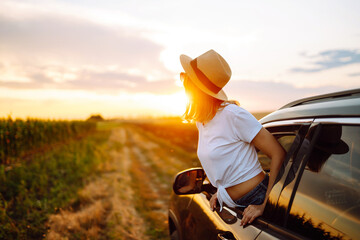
x=45, y=49
x=103, y=82
x=330, y=59
x=111, y=81
x=40, y=82
x=354, y=74
x=74, y=40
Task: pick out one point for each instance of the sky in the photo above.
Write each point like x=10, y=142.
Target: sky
x=72, y=58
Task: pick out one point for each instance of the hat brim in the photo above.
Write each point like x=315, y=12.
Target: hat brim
x=185, y=62
x=340, y=148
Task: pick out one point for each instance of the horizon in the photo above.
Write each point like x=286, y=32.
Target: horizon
x=258, y=115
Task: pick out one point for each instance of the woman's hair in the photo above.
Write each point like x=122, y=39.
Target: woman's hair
x=200, y=107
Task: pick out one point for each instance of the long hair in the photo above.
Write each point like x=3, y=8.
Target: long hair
x=200, y=107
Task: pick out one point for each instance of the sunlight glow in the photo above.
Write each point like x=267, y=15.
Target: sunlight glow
x=71, y=104
x=172, y=104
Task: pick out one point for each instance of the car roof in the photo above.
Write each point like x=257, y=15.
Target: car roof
x=337, y=104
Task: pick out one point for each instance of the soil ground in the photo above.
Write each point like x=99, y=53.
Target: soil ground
x=129, y=199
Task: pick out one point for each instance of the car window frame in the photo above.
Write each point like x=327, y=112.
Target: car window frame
x=275, y=129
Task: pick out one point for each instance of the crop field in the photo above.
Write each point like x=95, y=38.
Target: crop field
x=19, y=138
x=87, y=180
x=40, y=167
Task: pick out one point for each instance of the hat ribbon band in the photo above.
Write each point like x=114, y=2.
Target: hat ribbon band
x=203, y=79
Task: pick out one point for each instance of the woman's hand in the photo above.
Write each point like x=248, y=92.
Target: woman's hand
x=251, y=212
x=213, y=201
x=186, y=189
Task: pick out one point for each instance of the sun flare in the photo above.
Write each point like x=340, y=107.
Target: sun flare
x=172, y=104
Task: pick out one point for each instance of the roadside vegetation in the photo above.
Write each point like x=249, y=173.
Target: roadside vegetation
x=43, y=164
x=173, y=131
x=154, y=163
x=129, y=198
x=19, y=139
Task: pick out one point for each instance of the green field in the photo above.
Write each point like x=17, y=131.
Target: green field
x=79, y=179
x=42, y=165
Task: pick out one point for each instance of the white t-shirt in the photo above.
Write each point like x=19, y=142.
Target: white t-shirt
x=225, y=151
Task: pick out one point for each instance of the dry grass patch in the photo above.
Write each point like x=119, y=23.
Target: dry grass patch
x=148, y=202
x=104, y=208
x=83, y=224
x=85, y=217
x=129, y=200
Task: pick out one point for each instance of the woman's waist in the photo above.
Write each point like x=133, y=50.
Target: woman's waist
x=239, y=190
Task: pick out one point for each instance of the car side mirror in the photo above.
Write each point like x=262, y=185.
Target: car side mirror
x=189, y=181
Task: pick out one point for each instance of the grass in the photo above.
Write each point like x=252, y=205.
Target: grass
x=32, y=191
x=105, y=206
x=154, y=162
x=145, y=202
x=108, y=125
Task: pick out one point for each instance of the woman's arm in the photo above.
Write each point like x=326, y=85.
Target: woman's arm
x=265, y=142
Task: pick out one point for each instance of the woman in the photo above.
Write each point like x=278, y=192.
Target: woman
x=228, y=135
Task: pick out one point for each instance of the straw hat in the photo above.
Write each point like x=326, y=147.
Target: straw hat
x=209, y=72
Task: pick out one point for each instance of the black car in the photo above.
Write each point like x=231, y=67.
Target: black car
x=317, y=194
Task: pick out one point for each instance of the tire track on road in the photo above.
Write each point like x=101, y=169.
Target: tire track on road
x=107, y=208
x=129, y=200
x=154, y=165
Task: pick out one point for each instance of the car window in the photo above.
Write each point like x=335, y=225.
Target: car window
x=290, y=137
x=285, y=141
x=327, y=201
x=285, y=134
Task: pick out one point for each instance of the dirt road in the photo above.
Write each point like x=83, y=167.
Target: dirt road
x=129, y=199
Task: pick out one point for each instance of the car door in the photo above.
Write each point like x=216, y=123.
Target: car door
x=322, y=202
x=326, y=203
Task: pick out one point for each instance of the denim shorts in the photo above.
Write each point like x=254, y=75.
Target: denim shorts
x=255, y=196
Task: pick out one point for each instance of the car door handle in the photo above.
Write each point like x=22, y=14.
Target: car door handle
x=226, y=216
x=225, y=236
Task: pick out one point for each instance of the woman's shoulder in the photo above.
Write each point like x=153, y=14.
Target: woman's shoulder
x=232, y=108
x=233, y=112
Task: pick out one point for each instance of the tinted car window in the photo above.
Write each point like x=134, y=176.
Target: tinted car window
x=327, y=201
x=285, y=135
x=290, y=137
